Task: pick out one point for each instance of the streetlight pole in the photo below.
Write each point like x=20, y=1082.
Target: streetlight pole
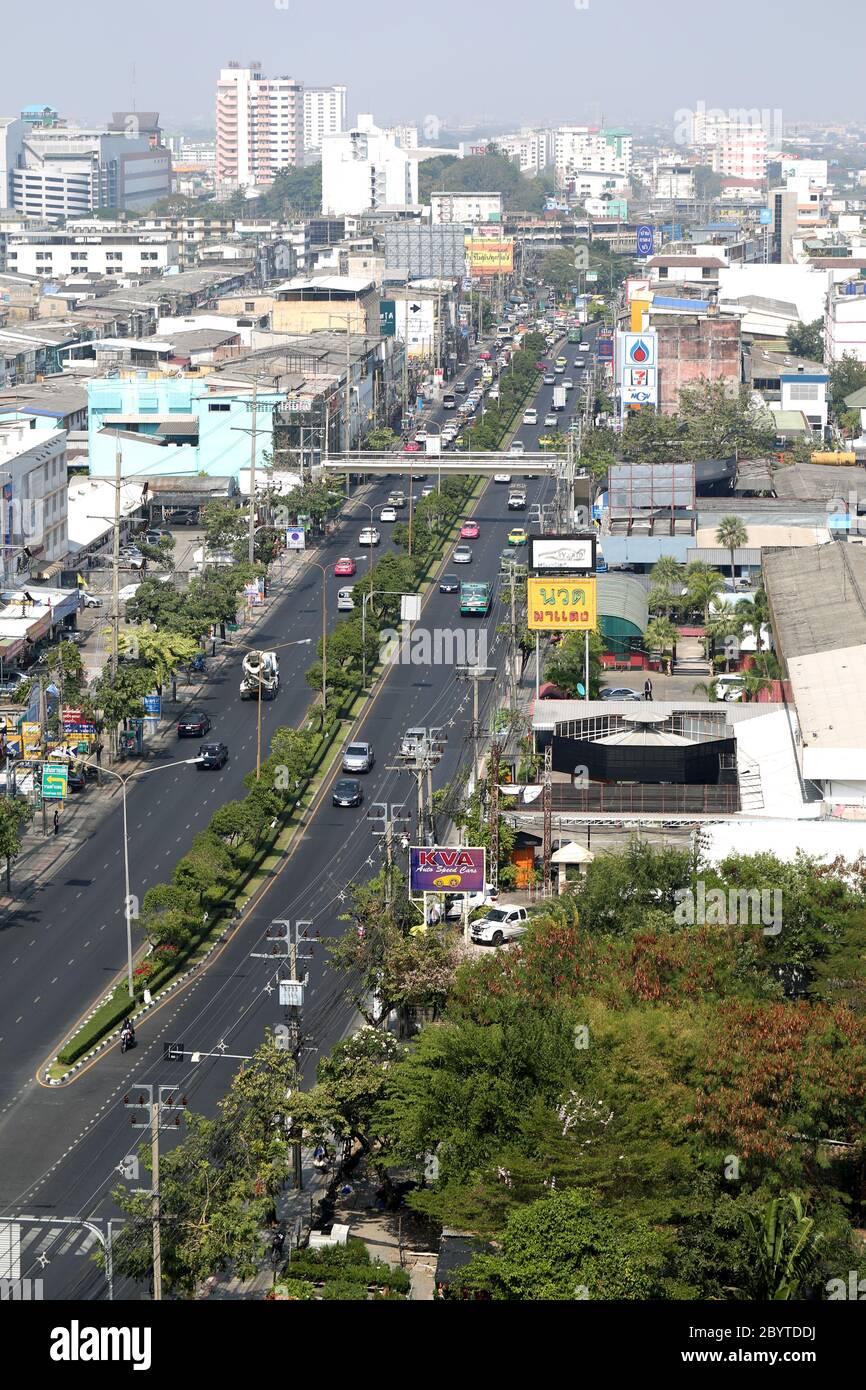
x=142, y=772
x=301, y=642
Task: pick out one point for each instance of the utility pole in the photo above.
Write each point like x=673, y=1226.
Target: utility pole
x=546, y=807
x=475, y=674
x=115, y=562
x=493, y=784
x=251, y=542
x=155, y=1105
x=285, y=937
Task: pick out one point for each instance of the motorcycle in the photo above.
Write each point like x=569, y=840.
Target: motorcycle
x=127, y=1038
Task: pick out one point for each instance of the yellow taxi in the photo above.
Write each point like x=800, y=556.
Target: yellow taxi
x=517, y=536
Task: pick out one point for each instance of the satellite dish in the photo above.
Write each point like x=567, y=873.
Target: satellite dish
x=581, y=690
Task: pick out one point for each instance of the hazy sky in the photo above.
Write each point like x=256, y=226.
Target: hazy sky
x=511, y=61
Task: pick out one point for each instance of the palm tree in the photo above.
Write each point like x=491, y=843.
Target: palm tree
x=660, y=636
x=754, y=682
x=732, y=534
x=756, y=611
x=667, y=582
x=786, y=1249
x=724, y=622
x=708, y=689
x=704, y=585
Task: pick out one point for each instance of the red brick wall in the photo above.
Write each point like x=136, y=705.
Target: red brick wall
x=688, y=351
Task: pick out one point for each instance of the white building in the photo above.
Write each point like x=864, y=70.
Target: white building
x=803, y=286
x=593, y=183
x=845, y=322
x=672, y=180
x=405, y=135
x=11, y=150
x=814, y=171
x=56, y=254
x=324, y=114
x=364, y=168
x=585, y=147
x=448, y=208
x=66, y=171
x=259, y=125
x=531, y=150
x=34, y=481
x=740, y=151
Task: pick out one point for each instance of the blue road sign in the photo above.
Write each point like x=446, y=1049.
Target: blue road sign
x=644, y=241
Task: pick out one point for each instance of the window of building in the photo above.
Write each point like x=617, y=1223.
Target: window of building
x=219, y=405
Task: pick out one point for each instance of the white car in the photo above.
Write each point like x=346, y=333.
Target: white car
x=127, y=592
x=502, y=477
x=388, y=514
x=369, y=536
x=425, y=492
x=517, y=447
x=568, y=383
x=551, y=420
x=91, y=600
x=500, y=923
x=421, y=437
x=493, y=393
x=584, y=347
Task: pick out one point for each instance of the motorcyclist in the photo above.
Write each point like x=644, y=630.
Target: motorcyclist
x=127, y=1034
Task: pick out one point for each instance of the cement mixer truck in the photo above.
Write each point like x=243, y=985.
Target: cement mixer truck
x=261, y=674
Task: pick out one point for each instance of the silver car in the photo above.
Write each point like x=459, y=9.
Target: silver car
x=462, y=555
x=358, y=757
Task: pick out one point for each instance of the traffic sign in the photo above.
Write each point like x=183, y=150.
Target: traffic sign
x=645, y=240
x=55, y=781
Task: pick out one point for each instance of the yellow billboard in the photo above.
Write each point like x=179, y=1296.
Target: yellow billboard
x=31, y=741
x=485, y=256
x=561, y=605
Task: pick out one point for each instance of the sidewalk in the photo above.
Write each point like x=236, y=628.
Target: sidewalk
x=81, y=814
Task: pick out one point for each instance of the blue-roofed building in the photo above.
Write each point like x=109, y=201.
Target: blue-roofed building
x=175, y=426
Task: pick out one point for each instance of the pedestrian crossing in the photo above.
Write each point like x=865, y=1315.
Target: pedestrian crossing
x=26, y=1247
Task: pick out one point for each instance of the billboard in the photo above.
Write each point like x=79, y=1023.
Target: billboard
x=639, y=386
x=639, y=349
x=443, y=868
x=604, y=346
x=561, y=604
x=484, y=256
x=55, y=781
x=562, y=554
x=387, y=318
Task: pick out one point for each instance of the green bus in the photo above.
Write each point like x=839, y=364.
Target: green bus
x=474, y=598
x=575, y=335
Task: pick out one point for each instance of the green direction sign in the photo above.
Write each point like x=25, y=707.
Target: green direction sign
x=55, y=781
x=387, y=318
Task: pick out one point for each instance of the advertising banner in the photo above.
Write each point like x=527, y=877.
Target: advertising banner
x=488, y=257
x=561, y=605
x=31, y=741
x=446, y=869
x=387, y=318
x=562, y=554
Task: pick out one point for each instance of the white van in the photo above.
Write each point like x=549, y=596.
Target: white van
x=345, y=599
x=530, y=417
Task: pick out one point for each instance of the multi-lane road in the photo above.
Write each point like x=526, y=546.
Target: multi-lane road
x=60, y=1147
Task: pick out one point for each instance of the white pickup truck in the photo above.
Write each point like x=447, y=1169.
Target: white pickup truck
x=505, y=922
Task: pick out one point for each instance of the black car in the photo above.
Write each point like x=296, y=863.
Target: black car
x=348, y=792
x=194, y=725
x=76, y=780
x=213, y=755
x=449, y=584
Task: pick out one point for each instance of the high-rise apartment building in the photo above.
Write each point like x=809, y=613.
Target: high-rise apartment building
x=364, y=169
x=324, y=114
x=586, y=147
x=259, y=125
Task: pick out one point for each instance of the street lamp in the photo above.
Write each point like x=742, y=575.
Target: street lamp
x=142, y=772
x=387, y=593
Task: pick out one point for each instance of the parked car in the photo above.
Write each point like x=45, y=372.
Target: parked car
x=76, y=779
x=154, y=537
x=344, y=566
x=469, y=531
x=194, y=725
x=347, y=792
x=449, y=584
x=183, y=517
x=619, y=692
x=369, y=536
x=90, y=600
x=358, y=757
x=462, y=555
x=500, y=923
x=213, y=755
x=127, y=592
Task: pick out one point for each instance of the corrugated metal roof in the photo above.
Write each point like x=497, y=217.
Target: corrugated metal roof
x=709, y=555
x=620, y=596
x=818, y=599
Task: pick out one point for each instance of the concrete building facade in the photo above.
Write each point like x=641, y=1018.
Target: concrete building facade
x=33, y=483
x=324, y=114
x=692, y=348
x=365, y=168
x=259, y=126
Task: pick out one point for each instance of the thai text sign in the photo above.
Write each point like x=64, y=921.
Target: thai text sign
x=561, y=605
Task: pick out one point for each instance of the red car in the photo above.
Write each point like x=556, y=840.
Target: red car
x=345, y=565
x=484, y=356
x=469, y=531
x=541, y=366
x=413, y=447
